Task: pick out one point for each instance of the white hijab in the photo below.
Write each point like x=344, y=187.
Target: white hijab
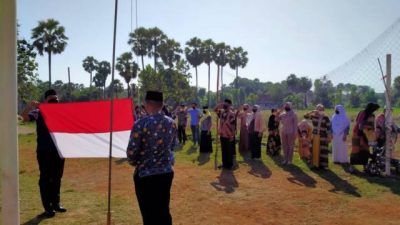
x=340, y=122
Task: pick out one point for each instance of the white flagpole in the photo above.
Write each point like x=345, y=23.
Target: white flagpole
x=111, y=113
x=8, y=114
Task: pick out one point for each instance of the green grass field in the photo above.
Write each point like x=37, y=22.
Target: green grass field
x=256, y=193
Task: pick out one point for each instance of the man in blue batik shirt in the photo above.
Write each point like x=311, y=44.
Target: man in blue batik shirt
x=150, y=151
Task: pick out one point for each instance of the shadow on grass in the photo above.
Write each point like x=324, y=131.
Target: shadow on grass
x=390, y=182
x=258, y=168
x=226, y=182
x=203, y=158
x=338, y=183
x=36, y=220
x=121, y=161
x=192, y=150
x=298, y=176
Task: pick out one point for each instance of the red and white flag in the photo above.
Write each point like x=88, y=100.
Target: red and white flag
x=82, y=129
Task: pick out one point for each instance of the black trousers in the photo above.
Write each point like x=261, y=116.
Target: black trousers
x=153, y=194
x=51, y=168
x=182, y=134
x=227, y=149
x=255, y=145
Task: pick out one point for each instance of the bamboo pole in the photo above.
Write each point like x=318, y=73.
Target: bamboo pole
x=8, y=114
x=388, y=114
x=111, y=115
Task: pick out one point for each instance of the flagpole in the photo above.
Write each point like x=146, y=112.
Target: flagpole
x=111, y=115
x=8, y=117
x=217, y=139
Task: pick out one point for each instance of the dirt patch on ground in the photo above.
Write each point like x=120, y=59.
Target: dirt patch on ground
x=253, y=194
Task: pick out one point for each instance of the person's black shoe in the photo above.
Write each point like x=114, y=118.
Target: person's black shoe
x=47, y=214
x=60, y=209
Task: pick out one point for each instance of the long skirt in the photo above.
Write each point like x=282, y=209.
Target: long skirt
x=304, y=148
x=360, y=150
x=205, y=141
x=320, y=151
x=273, y=143
x=244, y=140
x=255, y=145
x=339, y=149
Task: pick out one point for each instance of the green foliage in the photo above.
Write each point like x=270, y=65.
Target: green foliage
x=26, y=71
x=103, y=69
x=89, y=65
x=170, y=51
x=324, y=92
x=127, y=68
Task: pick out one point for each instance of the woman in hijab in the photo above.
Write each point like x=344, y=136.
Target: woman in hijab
x=288, y=119
x=304, y=130
x=274, y=139
x=205, y=136
x=363, y=133
x=321, y=136
x=256, y=130
x=245, y=116
x=340, y=130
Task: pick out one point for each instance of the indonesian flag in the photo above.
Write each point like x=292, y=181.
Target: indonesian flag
x=82, y=129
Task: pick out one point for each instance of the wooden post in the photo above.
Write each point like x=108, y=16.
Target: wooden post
x=8, y=114
x=388, y=114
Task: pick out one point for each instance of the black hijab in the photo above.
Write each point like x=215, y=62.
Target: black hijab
x=370, y=109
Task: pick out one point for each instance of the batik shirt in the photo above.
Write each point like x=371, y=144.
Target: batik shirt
x=151, y=144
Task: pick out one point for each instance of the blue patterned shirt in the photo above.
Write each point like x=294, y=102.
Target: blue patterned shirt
x=151, y=144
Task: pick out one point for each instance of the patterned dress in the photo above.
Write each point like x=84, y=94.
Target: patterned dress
x=322, y=129
x=151, y=144
x=363, y=132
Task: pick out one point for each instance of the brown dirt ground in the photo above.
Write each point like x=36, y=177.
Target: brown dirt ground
x=247, y=196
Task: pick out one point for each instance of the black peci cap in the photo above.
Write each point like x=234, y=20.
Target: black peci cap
x=154, y=96
x=228, y=101
x=49, y=92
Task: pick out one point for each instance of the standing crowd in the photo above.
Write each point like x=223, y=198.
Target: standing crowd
x=157, y=131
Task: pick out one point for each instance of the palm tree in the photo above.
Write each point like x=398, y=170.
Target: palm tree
x=49, y=37
x=127, y=68
x=140, y=43
x=220, y=57
x=103, y=69
x=170, y=52
x=155, y=38
x=207, y=48
x=89, y=65
x=237, y=58
x=195, y=56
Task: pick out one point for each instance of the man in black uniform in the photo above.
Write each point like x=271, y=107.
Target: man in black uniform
x=51, y=165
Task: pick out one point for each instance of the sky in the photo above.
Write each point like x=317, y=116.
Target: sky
x=306, y=37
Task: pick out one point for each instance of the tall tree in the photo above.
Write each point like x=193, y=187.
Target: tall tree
x=89, y=65
x=103, y=69
x=155, y=37
x=170, y=51
x=140, y=42
x=207, y=48
x=220, y=57
x=237, y=58
x=195, y=56
x=49, y=37
x=127, y=68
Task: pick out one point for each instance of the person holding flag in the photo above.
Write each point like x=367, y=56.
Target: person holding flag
x=150, y=151
x=51, y=165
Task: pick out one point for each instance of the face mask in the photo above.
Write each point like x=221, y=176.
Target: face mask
x=193, y=107
x=225, y=106
x=337, y=111
x=254, y=110
x=287, y=109
x=204, y=111
x=245, y=109
x=53, y=101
